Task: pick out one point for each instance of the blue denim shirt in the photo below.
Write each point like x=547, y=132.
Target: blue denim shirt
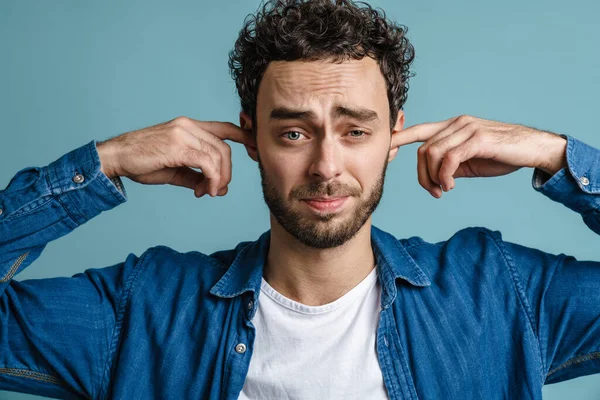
x=472, y=317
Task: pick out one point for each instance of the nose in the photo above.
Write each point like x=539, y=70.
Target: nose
x=327, y=161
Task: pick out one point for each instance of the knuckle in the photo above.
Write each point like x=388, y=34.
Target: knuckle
x=432, y=151
x=226, y=149
x=210, y=171
x=451, y=158
x=464, y=118
x=181, y=121
x=421, y=150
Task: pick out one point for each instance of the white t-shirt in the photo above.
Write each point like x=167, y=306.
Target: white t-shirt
x=316, y=352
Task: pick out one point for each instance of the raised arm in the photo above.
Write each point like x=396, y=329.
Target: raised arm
x=559, y=294
x=55, y=333
x=58, y=336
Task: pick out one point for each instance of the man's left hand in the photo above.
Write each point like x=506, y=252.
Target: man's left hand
x=467, y=146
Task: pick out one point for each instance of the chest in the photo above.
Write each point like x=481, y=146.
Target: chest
x=330, y=353
x=430, y=343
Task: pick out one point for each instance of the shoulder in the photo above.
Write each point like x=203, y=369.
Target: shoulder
x=473, y=235
x=166, y=264
x=468, y=246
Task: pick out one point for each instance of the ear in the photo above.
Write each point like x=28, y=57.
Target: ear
x=396, y=131
x=246, y=123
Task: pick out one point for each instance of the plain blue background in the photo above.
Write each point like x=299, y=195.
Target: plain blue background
x=73, y=71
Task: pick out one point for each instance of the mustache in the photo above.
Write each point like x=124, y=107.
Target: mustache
x=317, y=189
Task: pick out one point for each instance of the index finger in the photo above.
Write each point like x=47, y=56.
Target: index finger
x=419, y=132
x=228, y=131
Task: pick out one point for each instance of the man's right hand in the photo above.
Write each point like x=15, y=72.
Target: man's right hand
x=167, y=152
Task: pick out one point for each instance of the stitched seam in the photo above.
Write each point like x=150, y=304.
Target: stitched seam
x=57, y=197
x=576, y=360
x=14, y=268
x=388, y=276
x=384, y=357
x=400, y=359
x=522, y=301
x=115, y=339
x=18, y=213
x=25, y=373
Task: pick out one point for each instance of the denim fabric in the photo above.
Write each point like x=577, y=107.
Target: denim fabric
x=471, y=317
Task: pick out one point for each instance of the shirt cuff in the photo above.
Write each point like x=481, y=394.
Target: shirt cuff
x=85, y=191
x=577, y=186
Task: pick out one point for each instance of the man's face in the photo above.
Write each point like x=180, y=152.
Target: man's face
x=323, y=139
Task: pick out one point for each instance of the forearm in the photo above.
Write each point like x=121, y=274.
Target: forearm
x=42, y=204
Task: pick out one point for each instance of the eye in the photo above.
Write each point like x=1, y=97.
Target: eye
x=294, y=136
x=357, y=133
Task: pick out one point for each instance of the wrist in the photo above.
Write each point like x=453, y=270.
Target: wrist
x=555, y=154
x=107, y=157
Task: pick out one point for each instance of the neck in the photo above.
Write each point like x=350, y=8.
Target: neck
x=317, y=276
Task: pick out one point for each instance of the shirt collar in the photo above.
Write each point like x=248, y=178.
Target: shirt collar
x=393, y=262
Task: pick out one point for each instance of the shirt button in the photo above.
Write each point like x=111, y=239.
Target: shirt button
x=584, y=181
x=240, y=348
x=78, y=178
x=1, y=211
x=250, y=303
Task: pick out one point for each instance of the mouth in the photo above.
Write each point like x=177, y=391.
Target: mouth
x=326, y=204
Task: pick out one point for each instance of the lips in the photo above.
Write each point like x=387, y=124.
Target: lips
x=325, y=198
x=329, y=204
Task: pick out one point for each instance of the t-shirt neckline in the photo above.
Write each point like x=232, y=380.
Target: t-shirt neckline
x=356, y=292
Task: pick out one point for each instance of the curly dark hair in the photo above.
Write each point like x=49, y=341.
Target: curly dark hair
x=311, y=30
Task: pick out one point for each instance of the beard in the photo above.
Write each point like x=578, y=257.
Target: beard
x=323, y=231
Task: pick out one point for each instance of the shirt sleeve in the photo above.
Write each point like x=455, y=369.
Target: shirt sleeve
x=578, y=185
x=559, y=293
x=42, y=204
x=57, y=335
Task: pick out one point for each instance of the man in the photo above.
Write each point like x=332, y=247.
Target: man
x=323, y=305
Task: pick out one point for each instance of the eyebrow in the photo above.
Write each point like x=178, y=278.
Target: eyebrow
x=360, y=114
